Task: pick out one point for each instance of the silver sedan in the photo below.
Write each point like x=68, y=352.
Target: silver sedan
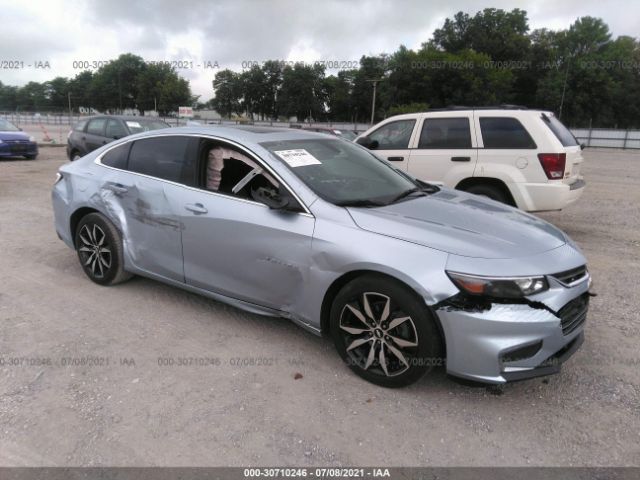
x=403, y=275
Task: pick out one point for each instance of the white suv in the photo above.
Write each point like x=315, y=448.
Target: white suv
x=522, y=157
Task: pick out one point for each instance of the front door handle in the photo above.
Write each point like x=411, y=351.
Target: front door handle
x=460, y=159
x=196, y=208
x=395, y=159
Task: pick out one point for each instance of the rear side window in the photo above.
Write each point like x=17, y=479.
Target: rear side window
x=96, y=126
x=504, y=132
x=394, y=135
x=561, y=132
x=117, y=157
x=161, y=157
x=445, y=133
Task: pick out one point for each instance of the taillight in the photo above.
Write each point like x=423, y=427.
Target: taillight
x=553, y=164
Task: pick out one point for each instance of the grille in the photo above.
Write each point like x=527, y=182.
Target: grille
x=574, y=313
x=569, y=276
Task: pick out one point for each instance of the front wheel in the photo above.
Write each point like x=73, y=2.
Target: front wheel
x=30, y=157
x=99, y=248
x=383, y=331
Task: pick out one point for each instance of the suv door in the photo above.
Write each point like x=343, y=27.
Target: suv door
x=238, y=247
x=393, y=141
x=140, y=189
x=444, y=149
x=115, y=129
x=94, y=134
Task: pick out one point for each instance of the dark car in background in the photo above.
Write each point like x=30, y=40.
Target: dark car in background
x=15, y=143
x=94, y=132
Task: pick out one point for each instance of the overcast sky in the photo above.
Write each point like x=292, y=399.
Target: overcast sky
x=232, y=32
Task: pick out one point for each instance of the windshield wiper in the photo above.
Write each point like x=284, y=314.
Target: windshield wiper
x=406, y=193
x=360, y=203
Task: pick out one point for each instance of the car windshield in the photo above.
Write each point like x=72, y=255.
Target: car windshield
x=343, y=173
x=6, y=126
x=346, y=134
x=140, y=125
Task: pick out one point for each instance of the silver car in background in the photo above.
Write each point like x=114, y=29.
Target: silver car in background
x=403, y=275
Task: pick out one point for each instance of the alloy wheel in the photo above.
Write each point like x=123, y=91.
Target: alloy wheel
x=379, y=336
x=95, y=251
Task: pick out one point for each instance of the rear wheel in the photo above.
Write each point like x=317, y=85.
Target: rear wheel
x=384, y=332
x=75, y=155
x=99, y=248
x=489, y=191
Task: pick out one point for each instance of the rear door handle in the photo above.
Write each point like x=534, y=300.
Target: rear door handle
x=116, y=187
x=460, y=159
x=395, y=159
x=196, y=208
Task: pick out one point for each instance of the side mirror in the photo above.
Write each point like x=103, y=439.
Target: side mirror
x=116, y=137
x=271, y=198
x=368, y=143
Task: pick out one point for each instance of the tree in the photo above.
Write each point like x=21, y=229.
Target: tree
x=115, y=85
x=159, y=87
x=302, y=94
x=228, y=91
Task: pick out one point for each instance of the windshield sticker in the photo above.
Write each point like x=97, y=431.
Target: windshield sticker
x=298, y=157
x=134, y=124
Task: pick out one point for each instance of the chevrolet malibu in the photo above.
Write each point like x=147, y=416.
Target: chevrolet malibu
x=403, y=275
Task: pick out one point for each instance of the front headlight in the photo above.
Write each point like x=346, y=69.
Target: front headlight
x=499, y=287
x=32, y=139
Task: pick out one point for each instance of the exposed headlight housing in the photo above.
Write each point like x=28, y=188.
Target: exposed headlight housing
x=58, y=177
x=499, y=287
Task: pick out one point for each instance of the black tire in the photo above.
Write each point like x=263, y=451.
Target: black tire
x=99, y=247
x=490, y=191
x=74, y=155
x=365, y=359
x=30, y=157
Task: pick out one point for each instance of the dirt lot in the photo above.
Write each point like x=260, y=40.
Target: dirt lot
x=129, y=406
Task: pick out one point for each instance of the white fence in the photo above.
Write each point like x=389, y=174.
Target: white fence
x=609, y=138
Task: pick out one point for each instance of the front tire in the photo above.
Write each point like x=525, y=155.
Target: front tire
x=384, y=332
x=99, y=247
x=31, y=157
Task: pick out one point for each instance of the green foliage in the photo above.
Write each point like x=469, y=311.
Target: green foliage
x=414, y=107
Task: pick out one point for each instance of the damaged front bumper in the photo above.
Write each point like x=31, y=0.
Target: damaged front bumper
x=502, y=342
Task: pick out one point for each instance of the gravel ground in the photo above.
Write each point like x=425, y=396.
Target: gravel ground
x=126, y=407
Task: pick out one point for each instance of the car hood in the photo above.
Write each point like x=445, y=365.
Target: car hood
x=13, y=136
x=462, y=224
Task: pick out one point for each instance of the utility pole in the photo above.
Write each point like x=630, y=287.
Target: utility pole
x=373, y=101
x=564, y=88
x=69, y=97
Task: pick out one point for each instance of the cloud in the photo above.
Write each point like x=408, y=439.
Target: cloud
x=232, y=33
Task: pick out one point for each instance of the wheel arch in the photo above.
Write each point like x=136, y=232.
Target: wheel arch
x=338, y=283
x=491, y=181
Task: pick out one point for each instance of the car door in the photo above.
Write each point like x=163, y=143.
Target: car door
x=239, y=247
x=94, y=134
x=445, y=150
x=392, y=140
x=140, y=188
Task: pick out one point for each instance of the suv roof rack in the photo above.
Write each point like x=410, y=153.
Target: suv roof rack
x=493, y=107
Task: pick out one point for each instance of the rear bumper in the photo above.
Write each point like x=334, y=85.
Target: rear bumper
x=536, y=197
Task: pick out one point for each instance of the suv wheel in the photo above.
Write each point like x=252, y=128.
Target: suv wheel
x=99, y=248
x=383, y=332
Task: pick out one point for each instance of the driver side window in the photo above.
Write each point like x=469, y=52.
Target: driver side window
x=230, y=171
x=394, y=135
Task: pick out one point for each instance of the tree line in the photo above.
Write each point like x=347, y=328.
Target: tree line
x=125, y=83
x=491, y=58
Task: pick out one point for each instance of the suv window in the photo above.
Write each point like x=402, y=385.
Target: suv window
x=96, y=126
x=115, y=129
x=117, y=157
x=445, y=133
x=504, y=132
x=561, y=132
x=79, y=127
x=394, y=135
x=161, y=157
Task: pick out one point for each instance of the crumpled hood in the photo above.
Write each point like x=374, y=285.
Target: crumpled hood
x=462, y=224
